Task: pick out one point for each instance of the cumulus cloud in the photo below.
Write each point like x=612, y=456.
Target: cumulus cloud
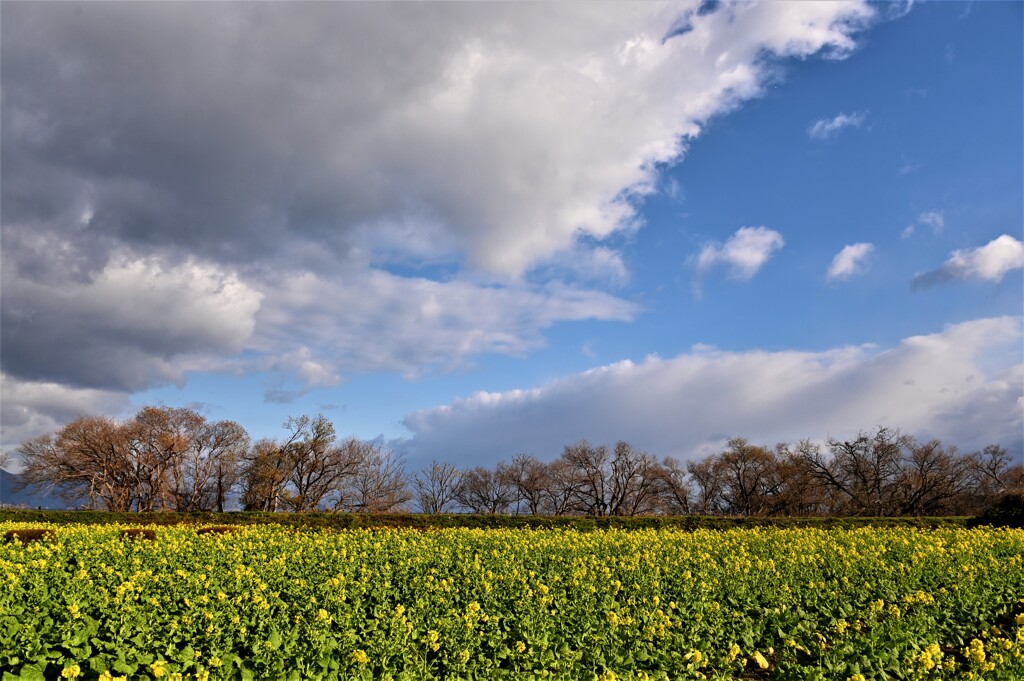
x=380, y=321
x=245, y=130
x=963, y=385
x=35, y=407
x=827, y=128
x=988, y=263
x=174, y=175
x=744, y=253
x=850, y=261
x=131, y=323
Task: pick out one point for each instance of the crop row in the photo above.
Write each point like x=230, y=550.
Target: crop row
x=267, y=602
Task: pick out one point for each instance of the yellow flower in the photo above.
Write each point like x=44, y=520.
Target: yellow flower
x=157, y=668
x=975, y=651
x=758, y=658
x=520, y=646
x=464, y=656
x=105, y=676
x=72, y=672
x=360, y=657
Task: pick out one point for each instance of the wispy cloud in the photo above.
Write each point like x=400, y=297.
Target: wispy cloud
x=934, y=219
x=852, y=260
x=827, y=128
x=988, y=263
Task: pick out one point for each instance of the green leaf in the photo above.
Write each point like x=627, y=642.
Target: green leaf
x=123, y=667
x=32, y=672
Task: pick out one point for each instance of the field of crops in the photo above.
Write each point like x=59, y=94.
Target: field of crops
x=269, y=602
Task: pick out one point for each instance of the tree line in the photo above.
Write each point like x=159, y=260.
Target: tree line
x=174, y=459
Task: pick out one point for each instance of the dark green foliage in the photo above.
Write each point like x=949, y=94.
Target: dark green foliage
x=339, y=521
x=1007, y=511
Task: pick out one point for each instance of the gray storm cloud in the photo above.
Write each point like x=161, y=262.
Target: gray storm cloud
x=194, y=156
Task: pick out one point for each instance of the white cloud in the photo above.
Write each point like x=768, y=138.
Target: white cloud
x=988, y=263
x=133, y=322
x=744, y=253
x=934, y=219
x=321, y=327
x=289, y=151
x=510, y=130
x=826, y=128
x=31, y=408
x=964, y=385
x=853, y=259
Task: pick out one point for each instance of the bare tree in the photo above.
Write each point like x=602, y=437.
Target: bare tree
x=159, y=438
x=264, y=476
x=674, y=490
x=749, y=476
x=861, y=474
x=634, y=481
x=482, y=490
x=799, y=492
x=88, y=459
x=530, y=478
x=316, y=466
x=708, y=493
x=590, y=467
x=988, y=469
x=377, y=484
x=184, y=462
x=218, y=453
x=563, y=489
x=932, y=479
x=434, y=487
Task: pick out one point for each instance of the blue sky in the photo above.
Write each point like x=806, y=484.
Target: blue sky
x=475, y=230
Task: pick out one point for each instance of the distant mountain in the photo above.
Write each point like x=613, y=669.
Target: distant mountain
x=27, y=498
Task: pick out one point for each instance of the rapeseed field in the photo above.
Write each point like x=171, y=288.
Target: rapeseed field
x=267, y=602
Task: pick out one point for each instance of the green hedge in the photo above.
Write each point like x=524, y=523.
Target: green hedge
x=423, y=522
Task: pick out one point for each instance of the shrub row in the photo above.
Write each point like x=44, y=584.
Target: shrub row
x=424, y=522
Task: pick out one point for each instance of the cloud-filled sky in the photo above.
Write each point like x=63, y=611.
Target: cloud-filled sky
x=479, y=229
